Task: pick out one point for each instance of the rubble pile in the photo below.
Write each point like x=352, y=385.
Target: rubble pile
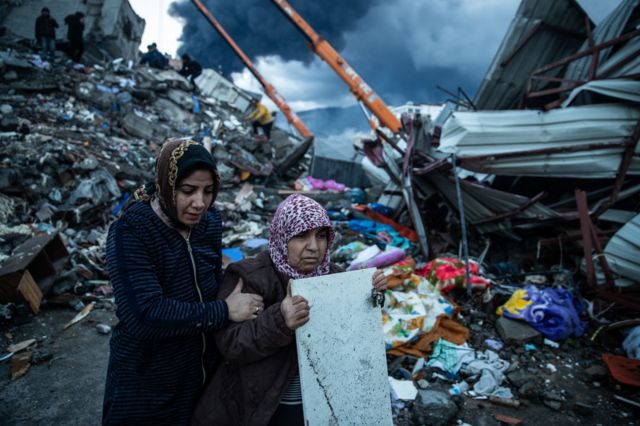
x=77, y=140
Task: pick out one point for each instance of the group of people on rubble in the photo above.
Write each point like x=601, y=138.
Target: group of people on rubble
x=190, y=69
x=45, y=34
x=196, y=345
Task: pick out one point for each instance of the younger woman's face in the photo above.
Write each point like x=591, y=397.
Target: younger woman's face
x=307, y=249
x=194, y=195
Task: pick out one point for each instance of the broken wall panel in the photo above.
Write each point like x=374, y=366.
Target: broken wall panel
x=110, y=25
x=579, y=142
x=341, y=354
x=30, y=271
x=214, y=85
x=528, y=45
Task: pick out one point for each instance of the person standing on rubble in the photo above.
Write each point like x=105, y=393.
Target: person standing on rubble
x=261, y=118
x=259, y=383
x=164, y=262
x=154, y=58
x=191, y=69
x=46, y=34
x=75, y=35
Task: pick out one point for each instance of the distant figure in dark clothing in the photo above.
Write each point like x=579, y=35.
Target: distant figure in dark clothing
x=190, y=68
x=154, y=58
x=46, y=34
x=75, y=32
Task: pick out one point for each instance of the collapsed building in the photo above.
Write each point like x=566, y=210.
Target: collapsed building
x=112, y=28
x=547, y=150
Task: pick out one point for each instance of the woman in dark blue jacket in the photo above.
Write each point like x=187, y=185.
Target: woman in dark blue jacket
x=164, y=262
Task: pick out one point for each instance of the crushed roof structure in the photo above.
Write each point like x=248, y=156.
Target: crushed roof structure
x=623, y=253
x=585, y=141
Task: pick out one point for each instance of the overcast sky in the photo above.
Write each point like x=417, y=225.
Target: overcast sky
x=402, y=48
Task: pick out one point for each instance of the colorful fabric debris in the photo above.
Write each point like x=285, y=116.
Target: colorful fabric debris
x=445, y=328
x=401, y=275
x=408, y=314
x=310, y=183
x=554, y=312
x=349, y=252
x=447, y=273
x=372, y=257
x=379, y=232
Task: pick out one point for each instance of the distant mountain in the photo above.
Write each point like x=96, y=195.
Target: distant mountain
x=325, y=122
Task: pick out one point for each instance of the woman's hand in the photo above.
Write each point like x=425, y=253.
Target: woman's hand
x=294, y=309
x=379, y=280
x=243, y=306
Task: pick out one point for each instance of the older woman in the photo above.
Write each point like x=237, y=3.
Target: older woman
x=258, y=382
x=164, y=263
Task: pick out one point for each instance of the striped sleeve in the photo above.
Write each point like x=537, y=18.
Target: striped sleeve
x=142, y=308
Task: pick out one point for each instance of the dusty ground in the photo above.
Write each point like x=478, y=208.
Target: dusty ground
x=68, y=389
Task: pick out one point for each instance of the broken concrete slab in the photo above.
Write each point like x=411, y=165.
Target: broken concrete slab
x=433, y=407
x=516, y=332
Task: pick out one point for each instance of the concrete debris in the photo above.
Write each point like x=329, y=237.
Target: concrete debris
x=433, y=407
x=513, y=331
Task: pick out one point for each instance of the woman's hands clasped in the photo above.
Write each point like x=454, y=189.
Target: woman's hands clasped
x=294, y=309
x=243, y=306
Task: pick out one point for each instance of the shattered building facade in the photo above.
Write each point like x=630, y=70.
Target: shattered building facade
x=112, y=28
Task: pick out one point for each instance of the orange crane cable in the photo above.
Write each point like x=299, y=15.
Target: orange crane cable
x=360, y=89
x=269, y=89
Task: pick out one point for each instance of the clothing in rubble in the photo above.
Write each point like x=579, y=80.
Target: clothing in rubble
x=75, y=31
x=46, y=34
x=165, y=285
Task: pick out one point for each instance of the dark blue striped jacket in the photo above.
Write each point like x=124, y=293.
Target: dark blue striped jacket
x=158, y=347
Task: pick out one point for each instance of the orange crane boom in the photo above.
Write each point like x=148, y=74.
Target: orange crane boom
x=357, y=85
x=269, y=90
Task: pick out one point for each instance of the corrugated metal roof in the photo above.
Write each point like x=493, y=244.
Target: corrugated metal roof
x=628, y=90
x=630, y=68
x=482, y=203
x=490, y=133
x=623, y=252
x=611, y=27
x=502, y=87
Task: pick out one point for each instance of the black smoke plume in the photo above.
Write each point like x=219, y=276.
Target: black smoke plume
x=260, y=29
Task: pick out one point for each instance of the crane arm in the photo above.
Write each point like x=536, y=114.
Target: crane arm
x=269, y=89
x=357, y=85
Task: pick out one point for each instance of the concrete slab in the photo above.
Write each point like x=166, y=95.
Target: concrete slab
x=341, y=355
x=512, y=331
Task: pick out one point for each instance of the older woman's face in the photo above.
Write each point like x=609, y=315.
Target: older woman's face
x=307, y=249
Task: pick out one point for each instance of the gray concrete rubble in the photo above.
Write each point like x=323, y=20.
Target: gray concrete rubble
x=112, y=28
x=74, y=150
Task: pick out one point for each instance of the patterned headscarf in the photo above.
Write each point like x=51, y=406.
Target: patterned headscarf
x=176, y=159
x=295, y=215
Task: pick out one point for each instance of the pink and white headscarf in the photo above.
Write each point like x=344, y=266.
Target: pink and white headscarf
x=295, y=215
